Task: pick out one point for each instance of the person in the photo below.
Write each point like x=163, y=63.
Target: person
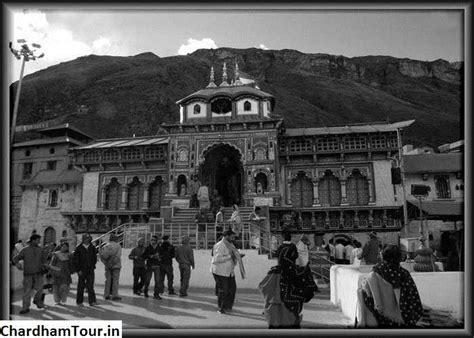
x=193, y=191
x=201, y=218
x=286, y=288
x=356, y=252
x=388, y=297
x=17, y=248
x=167, y=252
x=332, y=250
x=303, y=251
x=216, y=202
x=152, y=256
x=49, y=249
x=224, y=259
x=256, y=221
x=235, y=221
x=219, y=222
x=185, y=258
x=34, y=265
x=61, y=265
x=84, y=261
x=370, y=251
x=139, y=268
x=111, y=255
x=348, y=257
x=339, y=252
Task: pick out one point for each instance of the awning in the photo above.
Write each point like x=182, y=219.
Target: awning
x=124, y=143
x=440, y=209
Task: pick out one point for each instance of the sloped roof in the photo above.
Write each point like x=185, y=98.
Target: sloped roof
x=62, y=127
x=49, y=140
x=229, y=91
x=125, y=142
x=426, y=163
x=440, y=208
x=350, y=129
x=48, y=177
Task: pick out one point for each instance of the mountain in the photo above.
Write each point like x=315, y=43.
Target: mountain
x=109, y=96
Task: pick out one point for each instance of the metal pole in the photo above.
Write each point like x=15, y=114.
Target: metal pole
x=402, y=177
x=17, y=100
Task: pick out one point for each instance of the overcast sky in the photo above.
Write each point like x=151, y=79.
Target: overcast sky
x=69, y=32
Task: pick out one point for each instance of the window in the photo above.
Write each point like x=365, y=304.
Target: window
x=156, y=193
x=378, y=142
x=221, y=106
x=51, y=165
x=53, y=198
x=155, y=152
x=357, y=189
x=27, y=170
x=247, y=106
x=197, y=109
x=353, y=143
x=300, y=145
x=27, y=153
x=135, y=195
x=112, y=197
x=328, y=144
x=110, y=155
x=131, y=154
x=49, y=235
x=260, y=183
x=442, y=186
x=91, y=157
x=52, y=150
x=301, y=191
x=330, y=189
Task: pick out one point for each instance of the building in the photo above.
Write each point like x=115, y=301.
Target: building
x=44, y=182
x=324, y=181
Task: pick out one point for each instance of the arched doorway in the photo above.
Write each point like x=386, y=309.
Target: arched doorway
x=49, y=235
x=301, y=191
x=222, y=171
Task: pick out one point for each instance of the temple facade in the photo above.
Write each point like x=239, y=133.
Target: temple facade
x=320, y=180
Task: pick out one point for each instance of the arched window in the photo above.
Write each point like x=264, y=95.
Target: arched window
x=260, y=183
x=357, y=189
x=135, y=194
x=112, y=195
x=247, y=106
x=197, y=109
x=182, y=185
x=49, y=235
x=156, y=193
x=64, y=234
x=302, y=191
x=329, y=189
x=53, y=198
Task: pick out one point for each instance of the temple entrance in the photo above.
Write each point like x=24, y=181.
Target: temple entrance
x=222, y=171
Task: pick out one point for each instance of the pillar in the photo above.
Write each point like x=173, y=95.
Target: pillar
x=146, y=195
x=316, y=192
x=103, y=198
x=124, y=200
x=371, y=195
x=343, y=191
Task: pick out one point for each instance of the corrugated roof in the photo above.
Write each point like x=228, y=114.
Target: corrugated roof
x=349, y=129
x=49, y=140
x=441, y=208
x=426, y=163
x=65, y=126
x=46, y=177
x=125, y=142
x=230, y=91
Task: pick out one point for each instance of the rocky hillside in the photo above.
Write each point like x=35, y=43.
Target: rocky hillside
x=110, y=96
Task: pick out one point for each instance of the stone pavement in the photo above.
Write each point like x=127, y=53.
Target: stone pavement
x=197, y=311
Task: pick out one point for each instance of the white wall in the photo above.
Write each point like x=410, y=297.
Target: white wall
x=90, y=193
x=190, y=110
x=252, y=111
x=384, y=195
x=417, y=179
x=438, y=290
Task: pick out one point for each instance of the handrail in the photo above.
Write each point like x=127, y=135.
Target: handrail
x=321, y=260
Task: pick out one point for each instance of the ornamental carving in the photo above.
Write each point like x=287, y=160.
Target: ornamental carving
x=129, y=179
x=205, y=145
x=293, y=174
x=107, y=179
x=335, y=171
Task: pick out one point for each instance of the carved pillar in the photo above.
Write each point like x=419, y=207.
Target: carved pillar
x=384, y=219
x=326, y=220
x=250, y=181
x=341, y=219
x=95, y=223
x=146, y=195
x=272, y=180
x=103, y=193
x=107, y=223
x=75, y=221
x=316, y=191
x=124, y=200
x=356, y=218
x=371, y=195
x=288, y=191
x=371, y=218
x=83, y=225
x=343, y=190
x=313, y=220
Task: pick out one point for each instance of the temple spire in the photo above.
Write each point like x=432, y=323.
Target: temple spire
x=224, y=76
x=211, y=78
x=237, y=75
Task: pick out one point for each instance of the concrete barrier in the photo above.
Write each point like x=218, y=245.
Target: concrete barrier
x=438, y=290
x=256, y=267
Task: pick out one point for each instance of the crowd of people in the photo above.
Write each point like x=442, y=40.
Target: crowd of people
x=285, y=288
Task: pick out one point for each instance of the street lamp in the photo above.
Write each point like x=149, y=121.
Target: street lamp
x=28, y=55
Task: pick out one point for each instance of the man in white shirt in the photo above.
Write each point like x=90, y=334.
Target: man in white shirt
x=339, y=253
x=349, y=258
x=223, y=263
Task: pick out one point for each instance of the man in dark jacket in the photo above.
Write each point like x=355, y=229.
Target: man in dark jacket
x=139, y=267
x=84, y=260
x=34, y=262
x=152, y=256
x=371, y=250
x=167, y=252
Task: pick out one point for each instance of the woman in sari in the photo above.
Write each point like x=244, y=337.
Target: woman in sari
x=388, y=298
x=61, y=270
x=235, y=221
x=286, y=288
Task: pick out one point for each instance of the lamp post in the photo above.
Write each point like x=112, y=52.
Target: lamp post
x=27, y=54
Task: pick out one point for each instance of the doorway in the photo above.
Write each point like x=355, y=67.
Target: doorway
x=222, y=170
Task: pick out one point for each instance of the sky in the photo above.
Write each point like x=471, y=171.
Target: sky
x=68, y=32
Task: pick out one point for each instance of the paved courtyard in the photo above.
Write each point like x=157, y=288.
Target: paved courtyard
x=197, y=311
